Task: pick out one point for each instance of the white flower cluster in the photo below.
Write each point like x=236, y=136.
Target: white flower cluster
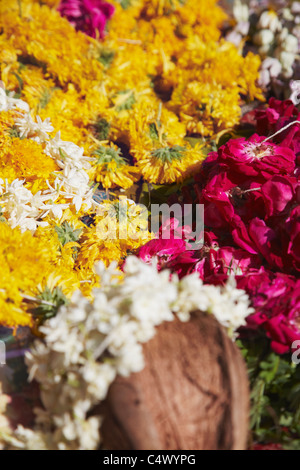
x=241, y=28
x=21, y=207
x=5, y=430
x=24, y=209
x=276, y=29
x=88, y=344
x=7, y=101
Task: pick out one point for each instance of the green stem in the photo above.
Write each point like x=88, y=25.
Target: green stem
x=20, y=7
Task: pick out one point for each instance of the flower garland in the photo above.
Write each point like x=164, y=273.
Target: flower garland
x=45, y=189
x=272, y=28
x=86, y=345
x=138, y=91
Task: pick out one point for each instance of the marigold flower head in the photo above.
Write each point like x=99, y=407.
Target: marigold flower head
x=112, y=169
x=25, y=263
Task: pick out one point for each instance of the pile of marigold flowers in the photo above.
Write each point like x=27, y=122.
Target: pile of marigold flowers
x=106, y=105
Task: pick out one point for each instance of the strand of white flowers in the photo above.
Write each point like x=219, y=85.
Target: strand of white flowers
x=25, y=209
x=69, y=363
x=280, y=130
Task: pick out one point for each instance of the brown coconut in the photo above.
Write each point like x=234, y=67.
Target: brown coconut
x=192, y=394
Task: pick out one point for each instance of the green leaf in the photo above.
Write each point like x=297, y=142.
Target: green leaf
x=46, y=97
x=66, y=233
x=51, y=300
x=62, y=153
x=128, y=102
x=102, y=128
x=125, y=4
x=153, y=131
x=168, y=154
x=106, y=57
x=13, y=132
x=20, y=81
x=107, y=154
x=259, y=402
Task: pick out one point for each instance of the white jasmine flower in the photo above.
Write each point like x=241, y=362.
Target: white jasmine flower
x=287, y=60
x=269, y=20
x=295, y=88
x=264, y=37
x=240, y=11
x=74, y=184
x=131, y=360
x=23, y=209
x=67, y=153
x=295, y=8
x=282, y=35
x=89, y=435
x=231, y=307
x=30, y=129
x=81, y=408
x=189, y=296
x=67, y=425
x=270, y=68
x=7, y=102
x=287, y=14
x=98, y=377
x=29, y=439
x=234, y=37
x=290, y=44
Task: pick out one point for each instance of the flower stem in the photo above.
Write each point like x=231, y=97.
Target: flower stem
x=20, y=7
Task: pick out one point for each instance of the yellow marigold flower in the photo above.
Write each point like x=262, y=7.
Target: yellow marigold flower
x=41, y=33
x=211, y=104
x=8, y=61
x=152, y=125
x=120, y=227
x=153, y=8
x=157, y=143
x=204, y=16
x=11, y=315
x=158, y=49
x=37, y=89
x=24, y=264
x=170, y=164
x=6, y=125
x=25, y=158
x=111, y=169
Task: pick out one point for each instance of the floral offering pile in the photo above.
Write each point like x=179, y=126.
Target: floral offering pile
x=107, y=108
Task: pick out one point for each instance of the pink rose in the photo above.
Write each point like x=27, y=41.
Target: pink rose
x=276, y=299
x=253, y=157
x=88, y=16
x=277, y=193
x=165, y=250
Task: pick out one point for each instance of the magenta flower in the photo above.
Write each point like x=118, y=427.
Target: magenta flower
x=293, y=229
x=276, y=299
x=275, y=117
x=250, y=190
x=277, y=193
x=171, y=242
x=253, y=157
x=88, y=16
x=163, y=249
